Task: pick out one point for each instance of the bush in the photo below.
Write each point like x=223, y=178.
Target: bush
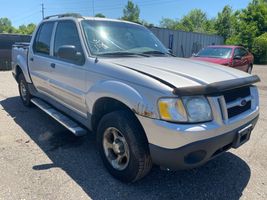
x=234, y=40
x=259, y=49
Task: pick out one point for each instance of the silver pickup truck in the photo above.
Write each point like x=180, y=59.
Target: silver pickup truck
x=116, y=79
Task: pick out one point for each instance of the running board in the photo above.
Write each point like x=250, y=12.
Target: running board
x=67, y=122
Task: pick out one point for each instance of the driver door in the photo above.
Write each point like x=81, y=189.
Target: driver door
x=68, y=77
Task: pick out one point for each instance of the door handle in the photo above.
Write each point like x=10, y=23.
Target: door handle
x=53, y=65
x=31, y=59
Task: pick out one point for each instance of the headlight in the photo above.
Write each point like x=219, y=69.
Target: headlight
x=198, y=109
x=186, y=109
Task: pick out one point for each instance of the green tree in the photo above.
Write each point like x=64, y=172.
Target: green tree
x=169, y=23
x=259, y=49
x=131, y=12
x=100, y=15
x=6, y=26
x=26, y=30
x=250, y=23
x=225, y=22
x=195, y=21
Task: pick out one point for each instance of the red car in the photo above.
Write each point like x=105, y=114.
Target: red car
x=233, y=56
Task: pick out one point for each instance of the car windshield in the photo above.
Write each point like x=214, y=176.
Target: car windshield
x=113, y=38
x=215, y=52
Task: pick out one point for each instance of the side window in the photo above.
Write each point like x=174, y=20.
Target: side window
x=240, y=52
x=42, y=40
x=67, y=44
x=237, y=52
x=244, y=52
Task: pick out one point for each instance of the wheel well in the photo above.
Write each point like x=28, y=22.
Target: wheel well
x=104, y=106
x=18, y=71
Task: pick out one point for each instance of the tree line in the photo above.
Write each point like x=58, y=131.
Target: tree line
x=247, y=27
x=6, y=27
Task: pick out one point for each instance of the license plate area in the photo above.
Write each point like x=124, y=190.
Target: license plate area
x=242, y=136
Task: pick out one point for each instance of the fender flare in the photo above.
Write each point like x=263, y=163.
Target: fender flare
x=23, y=65
x=122, y=92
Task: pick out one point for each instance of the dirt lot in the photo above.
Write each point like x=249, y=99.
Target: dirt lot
x=39, y=159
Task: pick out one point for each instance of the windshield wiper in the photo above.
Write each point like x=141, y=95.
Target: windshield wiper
x=157, y=53
x=122, y=53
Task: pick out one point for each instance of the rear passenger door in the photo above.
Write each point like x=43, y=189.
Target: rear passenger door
x=68, y=77
x=40, y=57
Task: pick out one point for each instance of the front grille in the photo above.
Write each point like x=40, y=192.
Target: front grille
x=233, y=99
x=237, y=110
x=234, y=94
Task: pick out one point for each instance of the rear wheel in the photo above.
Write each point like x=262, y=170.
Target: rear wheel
x=24, y=91
x=123, y=146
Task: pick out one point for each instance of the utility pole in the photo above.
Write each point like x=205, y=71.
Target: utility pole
x=93, y=2
x=42, y=10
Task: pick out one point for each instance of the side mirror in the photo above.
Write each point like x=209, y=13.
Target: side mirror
x=237, y=57
x=69, y=52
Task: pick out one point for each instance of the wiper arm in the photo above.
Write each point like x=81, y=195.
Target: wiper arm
x=158, y=53
x=122, y=53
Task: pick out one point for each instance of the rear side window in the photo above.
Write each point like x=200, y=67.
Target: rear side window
x=67, y=35
x=42, y=40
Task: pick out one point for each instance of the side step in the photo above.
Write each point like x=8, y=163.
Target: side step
x=71, y=125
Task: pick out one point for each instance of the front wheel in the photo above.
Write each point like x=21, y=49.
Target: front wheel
x=25, y=95
x=123, y=146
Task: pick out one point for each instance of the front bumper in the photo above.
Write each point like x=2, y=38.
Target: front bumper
x=199, y=152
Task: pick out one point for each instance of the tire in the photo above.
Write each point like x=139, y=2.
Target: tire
x=138, y=163
x=249, y=69
x=25, y=95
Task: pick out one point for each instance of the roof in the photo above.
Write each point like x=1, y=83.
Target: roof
x=78, y=16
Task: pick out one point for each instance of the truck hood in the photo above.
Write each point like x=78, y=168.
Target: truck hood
x=180, y=72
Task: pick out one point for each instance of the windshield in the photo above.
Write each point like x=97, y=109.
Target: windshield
x=215, y=52
x=118, y=38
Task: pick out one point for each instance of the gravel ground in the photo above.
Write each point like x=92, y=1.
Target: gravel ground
x=39, y=159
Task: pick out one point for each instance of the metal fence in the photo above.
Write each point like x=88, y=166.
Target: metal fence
x=6, y=42
x=184, y=44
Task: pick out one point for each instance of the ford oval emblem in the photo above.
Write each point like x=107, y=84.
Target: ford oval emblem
x=243, y=102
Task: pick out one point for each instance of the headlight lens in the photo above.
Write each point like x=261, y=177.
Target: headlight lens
x=198, y=109
x=186, y=109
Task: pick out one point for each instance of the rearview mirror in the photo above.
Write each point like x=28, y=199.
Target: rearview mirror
x=69, y=53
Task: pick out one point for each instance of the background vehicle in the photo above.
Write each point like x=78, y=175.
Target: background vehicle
x=233, y=56
x=146, y=106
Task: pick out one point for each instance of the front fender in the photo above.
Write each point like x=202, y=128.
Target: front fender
x=124, y=93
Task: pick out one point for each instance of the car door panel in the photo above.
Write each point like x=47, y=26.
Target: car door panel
x=39, y=57
x=68, y=79
x=67, y=85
